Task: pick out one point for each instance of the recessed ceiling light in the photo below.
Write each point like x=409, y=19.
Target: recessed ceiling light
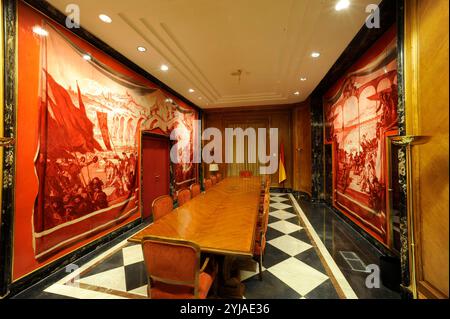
x=164, y=67
x=302, y=79
x=297, y=93
x=40, y=31
x=141, y=49
x=315, y=54
x=191, y=90
x=87, y=57
x=342, y=4
x=105, y=18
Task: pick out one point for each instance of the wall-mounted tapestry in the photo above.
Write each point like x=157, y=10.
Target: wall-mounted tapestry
x=86, y=113
x=360, y=112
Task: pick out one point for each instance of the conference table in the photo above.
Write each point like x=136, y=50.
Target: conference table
x=221, y=221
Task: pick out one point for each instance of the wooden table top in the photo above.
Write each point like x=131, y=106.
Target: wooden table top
x=221, y=220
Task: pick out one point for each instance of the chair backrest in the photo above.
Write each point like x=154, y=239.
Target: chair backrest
x=213, y=180
x=245, y=174
x=195, y=189
x=219, y=177
x=172, y=267
x=265, y=216
x=207, y=183
x=162, y=206
x=184, y=196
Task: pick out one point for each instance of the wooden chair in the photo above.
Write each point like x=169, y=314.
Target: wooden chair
x=207, y=184
x=219, y=177
x=213, y=180
x=173, y=269
x=263, y=207
x=184, y=196
x=195, y=189
x=260, y=240
x=245, y=174
x=162, y=206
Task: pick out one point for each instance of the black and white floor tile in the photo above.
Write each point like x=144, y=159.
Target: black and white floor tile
x=291, y=266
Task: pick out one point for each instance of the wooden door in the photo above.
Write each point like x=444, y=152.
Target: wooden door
x=155, y=170
x=426, y=88
x=302, y=148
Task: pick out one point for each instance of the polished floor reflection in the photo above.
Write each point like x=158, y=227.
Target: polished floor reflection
x=348, y=248
x=311, y=254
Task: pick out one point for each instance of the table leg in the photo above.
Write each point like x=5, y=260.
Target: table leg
x=230, y=285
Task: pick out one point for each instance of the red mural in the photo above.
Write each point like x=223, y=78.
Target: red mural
x=89, y=115
x=360, y=112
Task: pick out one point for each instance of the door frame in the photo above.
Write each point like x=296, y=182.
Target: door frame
x=145, y=133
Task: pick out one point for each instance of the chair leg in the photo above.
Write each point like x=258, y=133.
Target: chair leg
x=260, y=267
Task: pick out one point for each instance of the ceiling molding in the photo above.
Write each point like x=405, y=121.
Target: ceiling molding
x=197, y=82
x=157, y=48
x=215, y=93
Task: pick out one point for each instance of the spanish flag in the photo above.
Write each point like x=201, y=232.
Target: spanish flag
x=281, y=166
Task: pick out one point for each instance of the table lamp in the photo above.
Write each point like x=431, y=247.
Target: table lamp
x=213, y=168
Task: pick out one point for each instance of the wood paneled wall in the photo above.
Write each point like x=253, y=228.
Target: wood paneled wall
x=294, y=130
x=426, y=102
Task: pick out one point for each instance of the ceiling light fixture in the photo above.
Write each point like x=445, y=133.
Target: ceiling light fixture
x=105, y=18
x=315, y=54
x=297, y=93
x=342, y=4
x=40, y=31
x=303, y=79
x=141, y=49
x=164, y=67
x=87, y=57
x=191, y=90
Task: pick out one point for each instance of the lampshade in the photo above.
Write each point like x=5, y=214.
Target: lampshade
x=213, y=167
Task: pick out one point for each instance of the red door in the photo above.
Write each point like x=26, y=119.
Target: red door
x=155, y=170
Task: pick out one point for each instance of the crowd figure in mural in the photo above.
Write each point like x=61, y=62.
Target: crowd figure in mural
x=73, y=193
x=361, y=166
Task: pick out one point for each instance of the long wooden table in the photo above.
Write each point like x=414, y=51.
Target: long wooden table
x=221, y=220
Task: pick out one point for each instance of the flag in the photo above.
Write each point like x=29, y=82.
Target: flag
x=103, y=124
x=281, y=166
x=71, y=125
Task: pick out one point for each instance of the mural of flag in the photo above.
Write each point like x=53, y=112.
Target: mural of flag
x=103, y=124
x=71, y=129
x=281, y=166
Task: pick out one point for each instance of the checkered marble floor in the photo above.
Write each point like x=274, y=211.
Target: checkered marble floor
x=292, y=267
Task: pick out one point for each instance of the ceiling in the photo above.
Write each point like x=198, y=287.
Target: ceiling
x=204, y=41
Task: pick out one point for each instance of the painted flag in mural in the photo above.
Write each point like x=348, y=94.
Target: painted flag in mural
x=281, y=166
x=103, y=124
x=71, y=122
